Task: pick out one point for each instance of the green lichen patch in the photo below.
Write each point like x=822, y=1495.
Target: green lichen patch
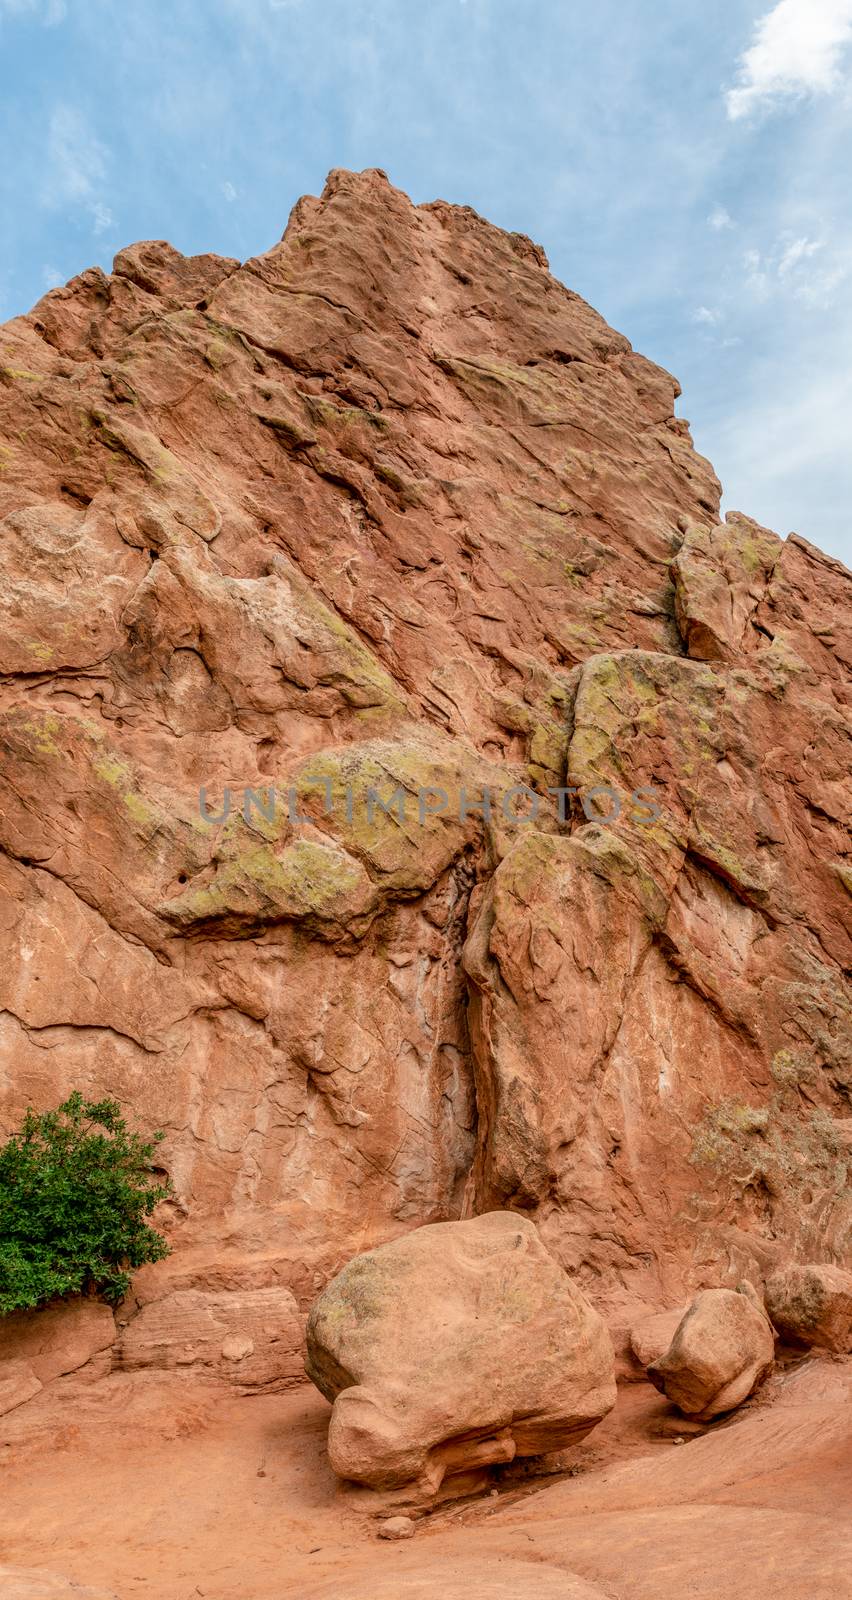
x=407, y=840
x=306, y=881
x=501, y=386
x=772, y=1146
x=40, y=651
x=531, y=873
x=38, y=729
x=343, y=660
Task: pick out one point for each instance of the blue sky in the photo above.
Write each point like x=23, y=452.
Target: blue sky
x=685, y=166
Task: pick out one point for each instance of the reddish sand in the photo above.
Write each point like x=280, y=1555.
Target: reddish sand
x=170, y=1491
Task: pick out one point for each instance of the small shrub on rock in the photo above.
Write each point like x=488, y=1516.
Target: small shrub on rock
x=76, y=1188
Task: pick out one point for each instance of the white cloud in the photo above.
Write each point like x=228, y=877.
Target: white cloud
x=798, y=49
x=719, y=218
x=798, y=266
x=793, y=254
x=51, y=277
x=229, y=191
x=77, y=163
x=706, y=315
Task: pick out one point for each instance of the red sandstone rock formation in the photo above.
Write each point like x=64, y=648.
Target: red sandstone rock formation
x=389, y=508
x=456, y=1347
x=721, y=1350
x=812, y=1305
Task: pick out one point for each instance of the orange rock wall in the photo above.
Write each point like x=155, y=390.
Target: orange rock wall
x=390, y=509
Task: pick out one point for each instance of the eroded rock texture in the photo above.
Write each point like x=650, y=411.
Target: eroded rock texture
x=390, y=507
x=812, y=1305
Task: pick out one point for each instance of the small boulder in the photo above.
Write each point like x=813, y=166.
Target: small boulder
x=812, y=1305
x=397, y=1528
x=721, y=1350
x=454, y=1347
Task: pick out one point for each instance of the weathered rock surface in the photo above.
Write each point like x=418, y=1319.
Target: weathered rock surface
x=61, y=1338
x=18, y=1383
x=461, y=1345
x=812, y=1305
x=18, y=1584
x=253, y=1337
x=459, y=1578
x=388, y=508
x=721, y=1350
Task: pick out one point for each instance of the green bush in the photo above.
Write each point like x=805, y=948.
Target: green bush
x=75, y=1189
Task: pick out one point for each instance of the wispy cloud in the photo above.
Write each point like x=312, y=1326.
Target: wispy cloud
x=798, y=50
x=719, y=219
x=77, y=164
x=229, y=191
x=799, y=266
x=795, y=254
x=50, y=12
x=102, y=217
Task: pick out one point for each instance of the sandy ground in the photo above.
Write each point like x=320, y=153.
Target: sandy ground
x=157, y=1487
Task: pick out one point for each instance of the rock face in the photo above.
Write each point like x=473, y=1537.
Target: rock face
x=384, y=518
x=812, y=1305
x=61, y=1338
x=18, y=1383
x=721, y=1351
x=461, y=1345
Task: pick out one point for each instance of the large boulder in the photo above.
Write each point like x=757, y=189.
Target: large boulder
x=812, y=1305
x=457, y=1346
x=722, y=1349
